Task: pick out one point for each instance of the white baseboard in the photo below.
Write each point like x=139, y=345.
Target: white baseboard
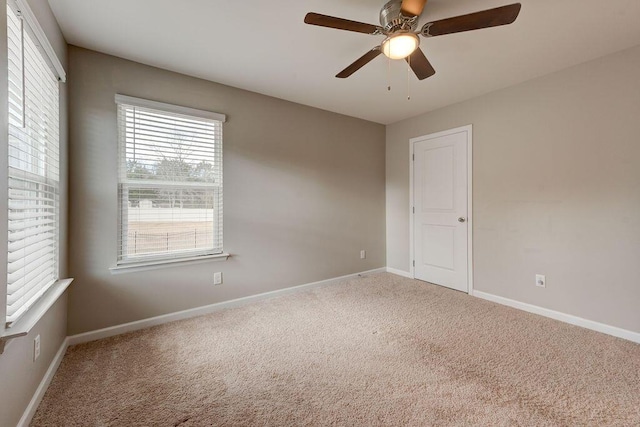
x=44, y=384
x=563, y=317
x=199, y=311
x=399, y=273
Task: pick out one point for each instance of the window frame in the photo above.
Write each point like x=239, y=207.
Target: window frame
x=22, y=325
x=156, y=260
x=46, y=58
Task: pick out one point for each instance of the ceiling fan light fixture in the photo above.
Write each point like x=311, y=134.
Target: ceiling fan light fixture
x=400, y=45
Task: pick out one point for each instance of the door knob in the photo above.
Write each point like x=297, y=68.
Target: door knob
x=462, y=219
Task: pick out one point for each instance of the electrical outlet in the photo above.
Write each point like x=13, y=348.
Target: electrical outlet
x=363, y=254
x=217, y=278
x=36, y=348
x=541, y=281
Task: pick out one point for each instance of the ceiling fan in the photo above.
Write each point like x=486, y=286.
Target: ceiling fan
x=398, y=22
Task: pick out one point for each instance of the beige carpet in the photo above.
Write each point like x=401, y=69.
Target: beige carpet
x=380, y=350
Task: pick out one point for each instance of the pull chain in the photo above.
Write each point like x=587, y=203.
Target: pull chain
x=389, y=74
x=408, y=77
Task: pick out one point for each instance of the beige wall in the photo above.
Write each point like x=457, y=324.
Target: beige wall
x=19, y=374
x=304, y=193
x=556, y=189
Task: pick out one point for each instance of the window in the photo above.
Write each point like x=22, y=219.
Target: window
x=33, y=162
x=170, y=181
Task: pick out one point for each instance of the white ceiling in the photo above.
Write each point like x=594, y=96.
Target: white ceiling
x=264, y=46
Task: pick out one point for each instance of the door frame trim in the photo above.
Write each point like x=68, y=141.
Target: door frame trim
x=469, y=131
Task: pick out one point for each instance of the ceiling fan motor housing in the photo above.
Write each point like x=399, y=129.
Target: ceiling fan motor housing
x=391, y=18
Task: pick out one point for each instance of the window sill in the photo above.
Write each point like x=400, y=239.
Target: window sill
x=31, y=317
x=153, y=265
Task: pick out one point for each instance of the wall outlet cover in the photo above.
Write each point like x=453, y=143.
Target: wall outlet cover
x=217, y=278
x=36, y=348
x=541, y=281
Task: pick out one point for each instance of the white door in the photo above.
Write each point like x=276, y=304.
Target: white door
x=440, y=199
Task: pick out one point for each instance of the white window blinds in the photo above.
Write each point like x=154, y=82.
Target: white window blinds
x=33, y=165
x=170, y=181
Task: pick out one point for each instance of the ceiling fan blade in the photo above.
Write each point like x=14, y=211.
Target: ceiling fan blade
x=359, y=63
x=474, y=21
x=411, y=8
x=340, y=24
x=420, y=64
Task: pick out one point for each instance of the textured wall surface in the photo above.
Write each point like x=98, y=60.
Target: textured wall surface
x=556, y=175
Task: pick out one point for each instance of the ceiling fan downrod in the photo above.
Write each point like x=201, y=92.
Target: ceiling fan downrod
x=392, y=19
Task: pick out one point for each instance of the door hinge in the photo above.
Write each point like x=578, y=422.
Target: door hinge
x=414, y=209
x=413, y=157
x=414, y=262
